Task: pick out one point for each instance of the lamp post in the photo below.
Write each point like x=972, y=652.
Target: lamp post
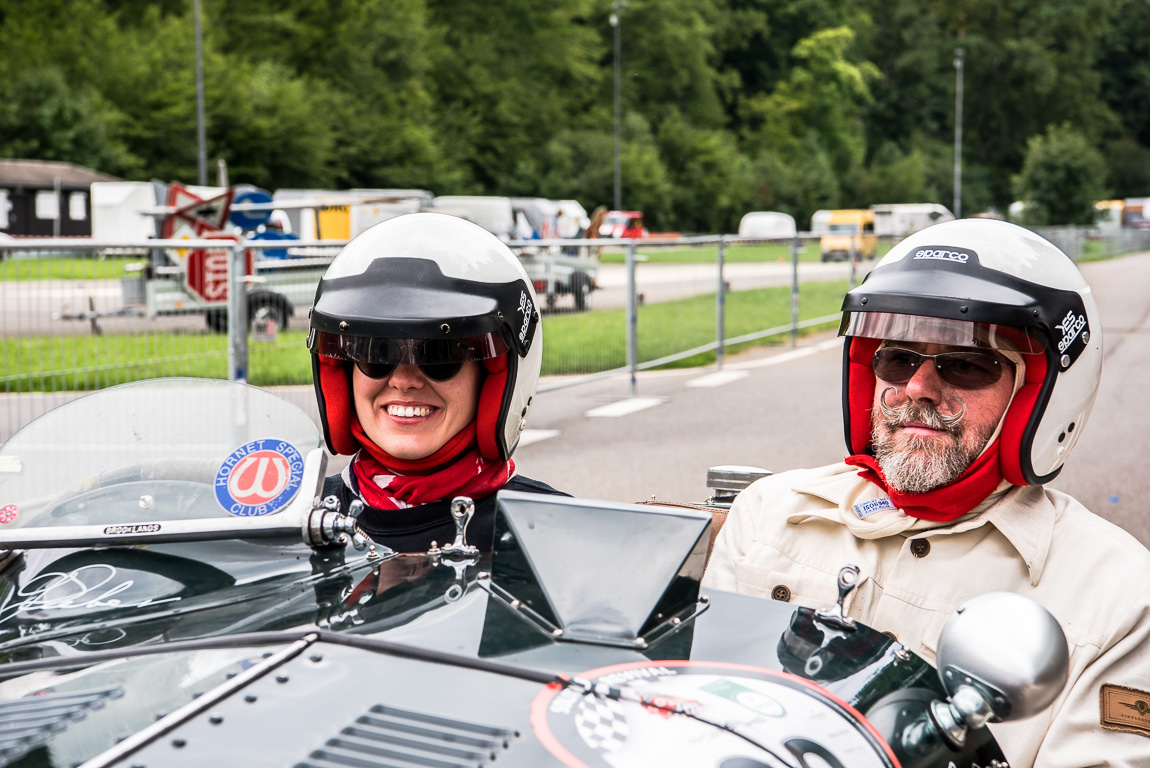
x=617, y=25
x=959, y=54
x=201, y=140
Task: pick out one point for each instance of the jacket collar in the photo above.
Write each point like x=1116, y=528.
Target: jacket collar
x=1023, y=514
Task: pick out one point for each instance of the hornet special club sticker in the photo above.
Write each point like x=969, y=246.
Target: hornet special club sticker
x=259, y=478
x=669, y=713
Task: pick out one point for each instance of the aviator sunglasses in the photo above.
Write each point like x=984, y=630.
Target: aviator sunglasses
x=965, y=370
x=439, y=359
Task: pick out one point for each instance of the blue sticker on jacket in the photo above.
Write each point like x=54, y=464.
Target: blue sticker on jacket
x=865, y=509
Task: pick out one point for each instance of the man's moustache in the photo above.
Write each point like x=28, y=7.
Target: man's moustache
x=897, y=416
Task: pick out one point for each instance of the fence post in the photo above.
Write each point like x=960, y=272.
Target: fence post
x=237, y=315
x=720, y=305
x=795, y=291
x=854, y=264
x=632, y=317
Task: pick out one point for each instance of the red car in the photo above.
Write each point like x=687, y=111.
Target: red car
x=623, y=224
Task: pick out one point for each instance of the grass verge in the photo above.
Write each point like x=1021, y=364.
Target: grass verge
x=67, y=268
x=573, y=344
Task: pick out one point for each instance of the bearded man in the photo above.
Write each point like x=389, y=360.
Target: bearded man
x=971, y=363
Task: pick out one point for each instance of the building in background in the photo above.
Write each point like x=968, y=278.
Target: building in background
x=45, y=198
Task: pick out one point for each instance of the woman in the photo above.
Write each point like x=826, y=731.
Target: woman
x=426, y=348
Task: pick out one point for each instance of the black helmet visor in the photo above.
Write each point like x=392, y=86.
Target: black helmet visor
x=365, y=349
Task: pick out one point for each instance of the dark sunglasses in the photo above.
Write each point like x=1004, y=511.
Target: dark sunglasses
x=439, y=359
x=965, y=370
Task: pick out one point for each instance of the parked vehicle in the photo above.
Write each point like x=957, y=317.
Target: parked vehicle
x=542, y=216
x=771, y=225
x=326, y=214
x=494, y=214
x=554, y=271
x=573, y=219
x=820, y=222
x=850, y=234
x=899, y=220
x=624, y=224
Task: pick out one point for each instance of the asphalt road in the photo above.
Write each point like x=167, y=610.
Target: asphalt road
x=786, y=414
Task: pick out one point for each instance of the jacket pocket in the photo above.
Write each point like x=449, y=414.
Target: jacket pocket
x=799, y=585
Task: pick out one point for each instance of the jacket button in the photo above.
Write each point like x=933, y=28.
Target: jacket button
x=781, y=593
x=919, y=547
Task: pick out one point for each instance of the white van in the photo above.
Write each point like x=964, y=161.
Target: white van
x=541, y=214
x=821, y=223
x=768, y=224
x=494, y=214
x=899, y=220
x=573, y=218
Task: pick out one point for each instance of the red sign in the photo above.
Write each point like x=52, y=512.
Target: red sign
x=203, y=216
x=206, y=270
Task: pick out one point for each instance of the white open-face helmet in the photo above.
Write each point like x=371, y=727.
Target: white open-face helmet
x=436, y=291
x=990, y=284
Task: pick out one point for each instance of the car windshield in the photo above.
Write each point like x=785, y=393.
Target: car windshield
x=844, y=229
x=154, y=450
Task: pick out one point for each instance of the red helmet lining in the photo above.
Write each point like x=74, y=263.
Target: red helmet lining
x=860, y=398
x=860, y=395
x=1018, y=416
x=490, y=402
x=340, y=410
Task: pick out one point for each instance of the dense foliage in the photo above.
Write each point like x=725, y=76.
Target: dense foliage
x=728, y=105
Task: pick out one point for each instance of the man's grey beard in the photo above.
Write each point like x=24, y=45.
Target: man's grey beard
x=914, y=464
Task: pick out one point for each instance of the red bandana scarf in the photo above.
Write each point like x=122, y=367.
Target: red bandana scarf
x=947, y=503
x=456, y=469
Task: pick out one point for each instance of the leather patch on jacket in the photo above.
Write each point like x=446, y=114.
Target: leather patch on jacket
x=1125, y=709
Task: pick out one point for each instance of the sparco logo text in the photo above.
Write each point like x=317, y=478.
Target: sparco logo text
x=526, y=308
x=1071, y=326
x=941, y=253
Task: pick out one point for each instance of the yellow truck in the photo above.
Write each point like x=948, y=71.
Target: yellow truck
x=849, y=231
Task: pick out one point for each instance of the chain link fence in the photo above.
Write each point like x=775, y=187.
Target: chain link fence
x=78, y=315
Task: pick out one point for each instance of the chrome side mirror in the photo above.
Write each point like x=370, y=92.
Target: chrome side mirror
x=1001, y=657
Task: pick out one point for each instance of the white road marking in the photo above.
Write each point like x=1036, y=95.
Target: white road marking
x=530, y=436
x=625, y=407
x=718, y=379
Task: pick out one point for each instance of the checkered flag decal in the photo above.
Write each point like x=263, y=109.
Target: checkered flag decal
x=602, y=723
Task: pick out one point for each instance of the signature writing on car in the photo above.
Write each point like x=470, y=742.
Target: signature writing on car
x=88, y=587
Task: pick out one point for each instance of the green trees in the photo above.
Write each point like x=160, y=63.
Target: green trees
x=728, y=105
x=1061, y=178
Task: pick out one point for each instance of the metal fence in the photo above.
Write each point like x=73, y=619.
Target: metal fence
x=78, y=315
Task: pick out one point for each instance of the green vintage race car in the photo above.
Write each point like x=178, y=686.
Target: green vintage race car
x=174, y=592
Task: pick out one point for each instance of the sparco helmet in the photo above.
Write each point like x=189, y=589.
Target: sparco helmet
x=432, y=290
x=984, y=283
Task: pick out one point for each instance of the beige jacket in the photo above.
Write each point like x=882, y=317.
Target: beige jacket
x=788, y=535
